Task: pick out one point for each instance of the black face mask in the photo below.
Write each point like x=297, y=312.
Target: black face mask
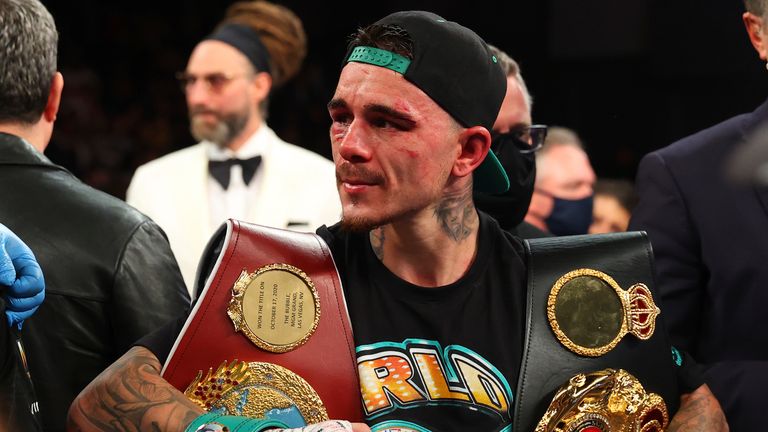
x=570, y=217
x=510, y=207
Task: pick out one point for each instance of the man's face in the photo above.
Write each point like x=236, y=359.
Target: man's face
x=220, y=100
x=514, y=112
x=608, y=215
x=566, y=173
x=393, y=146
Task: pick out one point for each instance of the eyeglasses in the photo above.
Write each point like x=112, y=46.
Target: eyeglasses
x=214, y=82
x=527, y=139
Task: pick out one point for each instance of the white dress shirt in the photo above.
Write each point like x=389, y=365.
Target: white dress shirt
x=237, y=199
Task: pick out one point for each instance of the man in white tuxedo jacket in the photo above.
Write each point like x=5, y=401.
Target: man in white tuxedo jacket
x=241, y=169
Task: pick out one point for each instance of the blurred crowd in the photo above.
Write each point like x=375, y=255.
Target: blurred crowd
x=232, y=121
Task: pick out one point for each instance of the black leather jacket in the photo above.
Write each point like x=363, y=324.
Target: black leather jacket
x=109, y=271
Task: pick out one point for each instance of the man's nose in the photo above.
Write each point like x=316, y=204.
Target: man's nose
x=354, y=145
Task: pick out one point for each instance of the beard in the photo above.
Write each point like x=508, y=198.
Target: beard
x=364, y=224
x=394, y=206
x=384, y=216
x=222, y=131
x=359, y=224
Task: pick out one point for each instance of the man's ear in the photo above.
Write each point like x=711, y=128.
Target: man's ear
x=54, y=98
x=475, y=144
x=754, y=26
x=262, y=85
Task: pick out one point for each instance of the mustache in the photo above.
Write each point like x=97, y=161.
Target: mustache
x=348, y=171
x=193, y=111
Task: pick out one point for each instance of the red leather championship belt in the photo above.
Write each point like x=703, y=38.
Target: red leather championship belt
x=269, y=336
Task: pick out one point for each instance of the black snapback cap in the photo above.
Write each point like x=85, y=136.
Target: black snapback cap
x=455, y=68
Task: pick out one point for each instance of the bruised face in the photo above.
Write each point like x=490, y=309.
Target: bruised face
x=393, y=146
x=219, y=92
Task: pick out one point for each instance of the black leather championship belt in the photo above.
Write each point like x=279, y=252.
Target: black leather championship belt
x=596, y=355
x=269, y=336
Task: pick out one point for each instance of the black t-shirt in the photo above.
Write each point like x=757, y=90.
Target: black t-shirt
x=436, y=359
x=430, y=359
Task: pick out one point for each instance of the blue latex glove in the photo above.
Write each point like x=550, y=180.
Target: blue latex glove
x=21, y=278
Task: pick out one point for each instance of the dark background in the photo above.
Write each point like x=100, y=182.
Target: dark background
x=629, y=76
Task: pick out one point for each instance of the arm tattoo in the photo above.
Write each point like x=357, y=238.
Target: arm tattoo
x=377, y=242
x=456, y=214
x=130, y=396
x=699, y=411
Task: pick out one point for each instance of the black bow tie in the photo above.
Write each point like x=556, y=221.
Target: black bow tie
x=220, y=169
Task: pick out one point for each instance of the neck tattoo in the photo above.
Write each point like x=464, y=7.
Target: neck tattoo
x=456, y=214
x=377, y=242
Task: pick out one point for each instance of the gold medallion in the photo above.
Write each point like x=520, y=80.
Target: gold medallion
x=590, y=313
x=257, y=390
x=610, y=400
x=276, y=307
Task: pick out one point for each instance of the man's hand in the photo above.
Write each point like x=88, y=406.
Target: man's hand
x=22, y=276
x=699, y=411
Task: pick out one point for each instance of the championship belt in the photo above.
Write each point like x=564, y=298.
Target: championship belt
x=596, y=356
x=269, y=336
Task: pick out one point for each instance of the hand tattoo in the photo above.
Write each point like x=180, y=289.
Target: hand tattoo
x=130, y=396
x=699, y=411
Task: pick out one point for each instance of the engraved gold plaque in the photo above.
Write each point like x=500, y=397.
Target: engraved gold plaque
x=590, y=313
x=257, y=390
x=276, y=307
x=610, y=400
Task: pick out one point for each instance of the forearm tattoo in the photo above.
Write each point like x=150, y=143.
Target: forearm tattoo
x=699, y=411
x=456, y=214
x=130, y=396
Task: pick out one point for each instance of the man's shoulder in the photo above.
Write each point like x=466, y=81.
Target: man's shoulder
x=301, y=157
x=714, y=139
x=59, y=194
x=176, y=159
x=72, y=212
x=98, y=207
x=331, y=234
x=314, y=181
x=491, y=229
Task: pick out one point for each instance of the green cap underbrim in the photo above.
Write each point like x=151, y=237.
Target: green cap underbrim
x=379, y=57
x=490, y=176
